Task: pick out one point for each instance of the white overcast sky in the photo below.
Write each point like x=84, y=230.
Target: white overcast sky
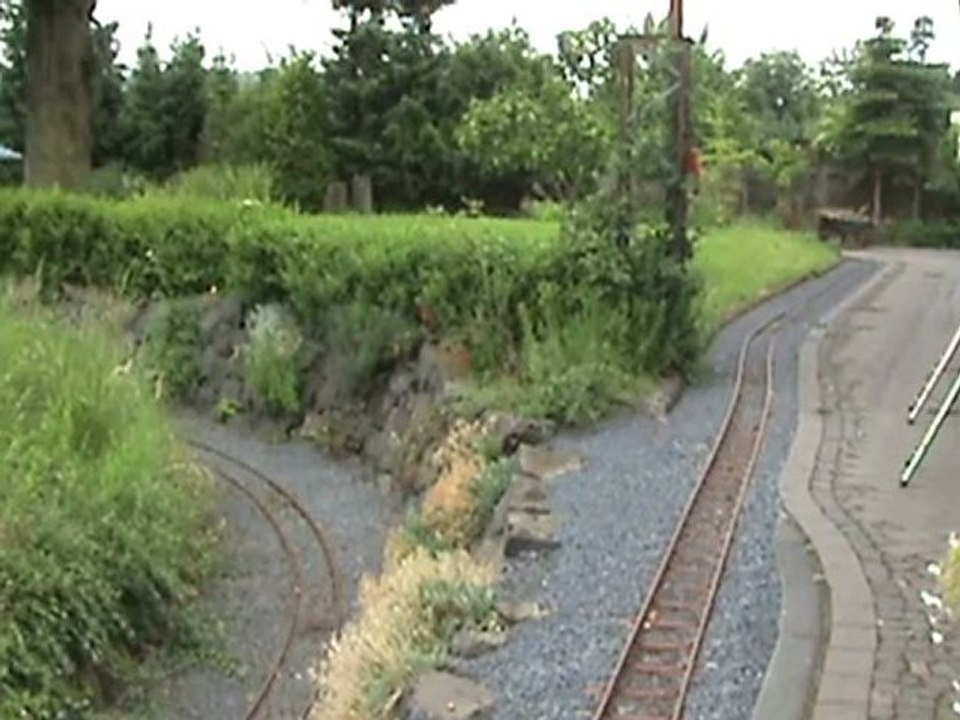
x=247, y=29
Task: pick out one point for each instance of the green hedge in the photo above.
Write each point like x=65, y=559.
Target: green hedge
x=919, y=233
x=482, y=281
x=175, y=247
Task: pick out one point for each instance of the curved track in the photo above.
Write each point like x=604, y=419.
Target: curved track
x=655, y=669
x=243, y=478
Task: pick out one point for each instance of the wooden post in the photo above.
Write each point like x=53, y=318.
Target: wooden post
x=361, y=192
x=336, y=200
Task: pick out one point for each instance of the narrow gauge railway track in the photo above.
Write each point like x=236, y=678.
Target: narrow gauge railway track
x=242, y=477
x=656, y=667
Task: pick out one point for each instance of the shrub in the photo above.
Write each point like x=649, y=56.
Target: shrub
x=115, y=181
x=273, y=360
x=236, y=183
x=172, y=347
x=918, y=233
x=367, y=340
x=102, y=521
x=518, y=294
x=487, y=489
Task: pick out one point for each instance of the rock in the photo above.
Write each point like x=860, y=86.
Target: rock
x=497, y=526
x=211, y=362
x=222, y=311
x=314, y=427
x=665, y=397
x=525, y=495
x=514, y=431
x=474, y=643
x=231, y=390
x=515, y=612
x=528, y=494
x=385, y=483
x=441, y=366
x=529, y=532
x=544, y=464
x=491, y=551
x=919, y=668
x=442, y=696
x=402, y=383
x=376, y=450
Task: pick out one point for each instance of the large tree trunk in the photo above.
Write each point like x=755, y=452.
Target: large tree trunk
x=59, y=138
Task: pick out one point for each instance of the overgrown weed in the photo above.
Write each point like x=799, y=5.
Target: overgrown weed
x=104, y=521
x=273, y=360
x=407, y=619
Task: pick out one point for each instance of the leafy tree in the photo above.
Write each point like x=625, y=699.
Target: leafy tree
x=586, y=56
x=107, y=85
x=296, y=133
x=108, y=95
x=13, y=77
x=396, y=98
x=545, y=136
x=780, y=98
x=166, y=107
x=144, y=127
x=922, y=38
x=895, y=118
x=238, y=131
x=184, y=102
x=239, y=114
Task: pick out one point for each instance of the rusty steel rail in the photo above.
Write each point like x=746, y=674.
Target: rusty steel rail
x=297, y=581
x=656, y=666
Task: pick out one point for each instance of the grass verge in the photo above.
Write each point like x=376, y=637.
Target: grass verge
x=748, y=261
x=103, y=539
x=570, y=371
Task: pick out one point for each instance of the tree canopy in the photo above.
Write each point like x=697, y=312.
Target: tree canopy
x=490, y=119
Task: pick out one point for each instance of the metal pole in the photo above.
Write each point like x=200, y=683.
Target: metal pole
x=676, y=18
x=677, y=202
x=914, y=462
x=933, y=378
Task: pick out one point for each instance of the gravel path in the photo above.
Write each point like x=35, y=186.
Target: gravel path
x=254, y=599
x=617, y=516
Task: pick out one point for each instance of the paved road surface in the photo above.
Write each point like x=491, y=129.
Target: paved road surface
x=874, y=539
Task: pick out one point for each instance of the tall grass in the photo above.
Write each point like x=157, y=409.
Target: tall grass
x=102, y=540
x=222, y=182
x=744, y=262
x=407, y=620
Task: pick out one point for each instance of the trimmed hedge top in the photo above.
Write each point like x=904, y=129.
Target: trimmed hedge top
x=173, y=247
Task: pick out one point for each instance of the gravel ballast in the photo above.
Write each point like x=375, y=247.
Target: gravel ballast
x=253, y=601
x=616, y=517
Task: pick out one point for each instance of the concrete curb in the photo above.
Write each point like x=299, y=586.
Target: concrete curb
x=823, y=661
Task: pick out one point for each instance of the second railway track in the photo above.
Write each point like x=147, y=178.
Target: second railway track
x=656, y=667
x=315, y=590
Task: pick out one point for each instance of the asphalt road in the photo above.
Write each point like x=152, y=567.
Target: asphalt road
x=890, y=654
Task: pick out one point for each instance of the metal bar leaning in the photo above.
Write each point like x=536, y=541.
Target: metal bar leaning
x=921, y=450
x=933, y=378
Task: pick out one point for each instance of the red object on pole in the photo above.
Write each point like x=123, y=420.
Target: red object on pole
x=693, y=164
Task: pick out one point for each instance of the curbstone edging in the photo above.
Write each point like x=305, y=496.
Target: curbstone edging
x=809, y=675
